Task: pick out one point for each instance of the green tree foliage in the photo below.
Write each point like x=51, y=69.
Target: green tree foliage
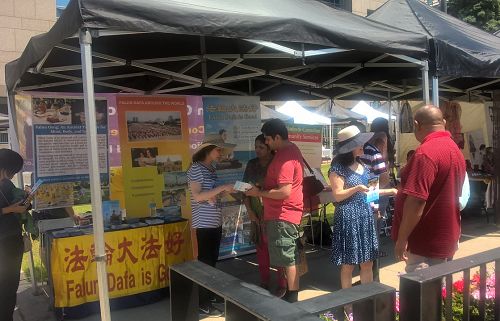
x=484, y=14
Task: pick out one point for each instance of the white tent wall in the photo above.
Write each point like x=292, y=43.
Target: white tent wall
x=474, y=117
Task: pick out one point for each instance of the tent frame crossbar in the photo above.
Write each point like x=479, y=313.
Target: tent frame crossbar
x=279, y=76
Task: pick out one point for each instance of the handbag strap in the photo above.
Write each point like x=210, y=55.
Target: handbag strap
x=307, y=165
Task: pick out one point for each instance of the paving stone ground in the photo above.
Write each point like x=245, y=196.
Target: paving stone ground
x=477, y=236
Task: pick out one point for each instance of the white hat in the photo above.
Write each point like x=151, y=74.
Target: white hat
x=351, y=138
x=215, y=140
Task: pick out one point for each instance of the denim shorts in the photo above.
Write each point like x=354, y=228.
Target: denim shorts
x=282, y=242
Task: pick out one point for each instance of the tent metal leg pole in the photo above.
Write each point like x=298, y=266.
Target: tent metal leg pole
x=95, y=179
x=425, y=82
x=435, y=91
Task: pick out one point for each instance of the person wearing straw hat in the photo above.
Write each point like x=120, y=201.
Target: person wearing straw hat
x=354, y=239
x=206, y=211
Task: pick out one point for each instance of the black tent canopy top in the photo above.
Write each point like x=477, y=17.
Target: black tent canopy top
x=281, y=49
x=276, y=49
x=459, y=49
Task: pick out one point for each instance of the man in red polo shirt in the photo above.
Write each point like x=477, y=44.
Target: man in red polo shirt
x=283, y=203
x=426, y=225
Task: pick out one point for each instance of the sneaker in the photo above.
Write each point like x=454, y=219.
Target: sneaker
x=217, y=299
x=210, y=312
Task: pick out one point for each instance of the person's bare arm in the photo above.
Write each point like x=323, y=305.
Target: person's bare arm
x=200, y=196
x=413, y=210
x=16, y=208
x=338, y=191
x=282, y=192
x=388, y=192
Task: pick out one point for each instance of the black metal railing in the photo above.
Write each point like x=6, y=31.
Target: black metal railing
x=370, y=302
x=421, y=292
x=244, y=302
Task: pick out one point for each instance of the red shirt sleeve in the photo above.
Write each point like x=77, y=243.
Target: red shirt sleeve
x=286, y=172
x=421, y=173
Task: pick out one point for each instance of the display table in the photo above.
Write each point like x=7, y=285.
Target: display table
x=138, y=261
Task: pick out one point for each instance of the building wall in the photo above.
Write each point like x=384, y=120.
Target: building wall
x=19, y=21
x=361, y=7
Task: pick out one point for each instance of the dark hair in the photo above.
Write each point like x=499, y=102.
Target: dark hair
x=346, y=159
x=410, y=154
x=261, y=138
x=10, y=161
x=203, y=153
x=222, y=131
x=382, y=125
x=275, y=127
x=483, y=146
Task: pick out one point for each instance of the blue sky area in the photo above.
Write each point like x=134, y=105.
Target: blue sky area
x=62, y=3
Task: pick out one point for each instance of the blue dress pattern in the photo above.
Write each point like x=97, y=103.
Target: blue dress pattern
x=354, y=239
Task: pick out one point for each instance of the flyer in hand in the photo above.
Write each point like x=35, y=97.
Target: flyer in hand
x=373, y=185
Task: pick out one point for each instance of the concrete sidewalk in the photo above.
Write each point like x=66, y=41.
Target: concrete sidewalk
x=323, y=276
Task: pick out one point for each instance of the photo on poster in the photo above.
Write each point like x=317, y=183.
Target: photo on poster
x=175, y=180
x=143, y=157
x=232, y=220
x=51, y=111
x=111, y=213
x=78, y=112
x=168, y=163
x=173, y=211
x=54, y=195
x=81, y=193
x=152, y=126
x=174, y=197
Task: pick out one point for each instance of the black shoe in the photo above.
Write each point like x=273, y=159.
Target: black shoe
x=210, y=312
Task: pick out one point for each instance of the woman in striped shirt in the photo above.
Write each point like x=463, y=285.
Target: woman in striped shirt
x=206, y=210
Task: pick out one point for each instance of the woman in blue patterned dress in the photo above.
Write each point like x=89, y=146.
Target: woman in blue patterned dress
x=354, y=239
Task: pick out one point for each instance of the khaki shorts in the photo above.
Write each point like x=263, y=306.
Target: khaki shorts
x=282, y=242
x=417, y=262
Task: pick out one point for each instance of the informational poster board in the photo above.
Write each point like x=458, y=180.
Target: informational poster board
x=57, y=150
x=236, y=120
x=154, y=145
x=308, y=140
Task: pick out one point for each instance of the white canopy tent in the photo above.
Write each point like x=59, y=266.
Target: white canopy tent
x=301, y=115
x=362, y=108
x=267, y=113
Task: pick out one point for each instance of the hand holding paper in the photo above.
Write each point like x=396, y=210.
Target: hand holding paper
x=242, y=186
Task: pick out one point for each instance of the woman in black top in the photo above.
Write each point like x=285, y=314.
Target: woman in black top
x=11, y=241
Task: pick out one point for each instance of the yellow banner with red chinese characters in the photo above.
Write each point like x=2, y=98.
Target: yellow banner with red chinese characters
x=137, y=261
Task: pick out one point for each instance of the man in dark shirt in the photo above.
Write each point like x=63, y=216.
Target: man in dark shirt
x=426, y=225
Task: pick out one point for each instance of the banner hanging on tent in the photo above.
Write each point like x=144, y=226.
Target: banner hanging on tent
x=308, y=139
x=236, y=120
x=59, y=148
x=137, y=260
x=154, y=144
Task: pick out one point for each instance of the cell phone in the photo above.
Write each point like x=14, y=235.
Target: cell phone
x=30, y=196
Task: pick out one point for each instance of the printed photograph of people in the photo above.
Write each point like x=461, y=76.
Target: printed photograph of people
x=143, y=157
x=78, y=111
x=174, y=197
x=51, y=111
x=150, y=126
x=168, y=163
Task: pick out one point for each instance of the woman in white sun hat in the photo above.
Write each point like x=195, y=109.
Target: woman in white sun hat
x=206, y=210
x=354, y=240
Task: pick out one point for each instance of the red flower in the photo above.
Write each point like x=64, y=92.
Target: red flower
x=443, y=292
x=459, y=286
x=476, y=278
